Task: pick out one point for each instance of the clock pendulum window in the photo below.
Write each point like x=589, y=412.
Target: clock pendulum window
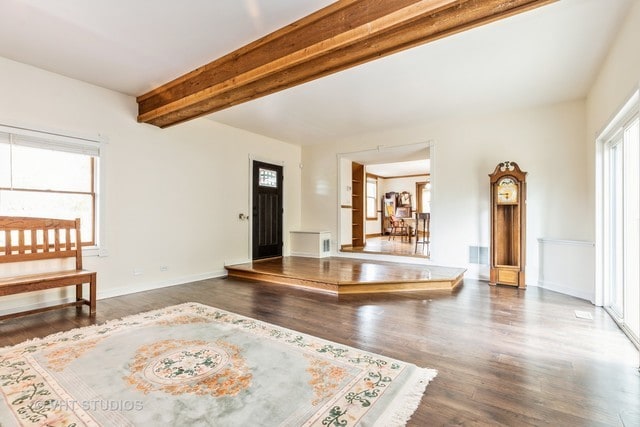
x=508, y=225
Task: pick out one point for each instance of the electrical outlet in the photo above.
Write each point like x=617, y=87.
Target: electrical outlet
x=138, y=271
x=164, y=268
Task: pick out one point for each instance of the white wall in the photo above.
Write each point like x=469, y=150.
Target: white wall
x=566, y=266
x=618, y=78
x=547, y=142
x=173, y=196
x=373, y=226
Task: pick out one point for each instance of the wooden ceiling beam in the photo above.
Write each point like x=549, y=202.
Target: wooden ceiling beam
x=340, y=36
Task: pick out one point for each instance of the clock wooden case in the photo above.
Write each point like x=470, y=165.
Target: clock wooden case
x=508, y=225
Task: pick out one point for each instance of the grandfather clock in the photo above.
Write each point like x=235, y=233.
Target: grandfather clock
x=508, y=228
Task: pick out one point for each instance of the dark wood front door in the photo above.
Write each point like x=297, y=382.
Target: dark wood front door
x=267, y=210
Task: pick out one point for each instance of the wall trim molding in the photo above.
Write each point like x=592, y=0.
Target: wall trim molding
x=566, y=242
x=556, y=287
x=123, y=290
x=404, y=176
x=305, y=254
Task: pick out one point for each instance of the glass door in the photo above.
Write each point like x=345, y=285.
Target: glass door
x=631, y=291
x=615, y=237
x=622, y=227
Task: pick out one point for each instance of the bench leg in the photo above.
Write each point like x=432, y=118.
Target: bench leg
x=79, y=297
x=79, y=292
x=92, y=294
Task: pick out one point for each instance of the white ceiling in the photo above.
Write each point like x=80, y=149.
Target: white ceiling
x=548, y=55
x=409, y=168
x=394, y=160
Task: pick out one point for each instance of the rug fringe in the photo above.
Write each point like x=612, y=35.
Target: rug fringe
x=411, y=395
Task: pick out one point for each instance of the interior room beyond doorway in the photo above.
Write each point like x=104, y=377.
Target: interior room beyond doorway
x=385, y=205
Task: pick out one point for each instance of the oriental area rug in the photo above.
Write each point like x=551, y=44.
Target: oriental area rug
x=195, y=365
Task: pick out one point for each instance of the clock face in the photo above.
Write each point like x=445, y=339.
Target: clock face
x=507, y=191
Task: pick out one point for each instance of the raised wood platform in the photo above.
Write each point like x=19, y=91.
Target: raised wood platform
x=348, y=276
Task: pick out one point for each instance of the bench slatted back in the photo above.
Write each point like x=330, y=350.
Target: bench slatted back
x=30, y=239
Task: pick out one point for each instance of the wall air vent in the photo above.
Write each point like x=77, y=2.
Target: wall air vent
x=479, y=255
x=326, y=245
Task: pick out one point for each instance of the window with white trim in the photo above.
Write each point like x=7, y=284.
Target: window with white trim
x=47, y=175
x=372, y=197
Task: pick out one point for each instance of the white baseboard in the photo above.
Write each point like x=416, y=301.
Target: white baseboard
x=578, y=293
x=311, y=254
x=125, y=290
x=383, y=257
x=304, y=254
x=242, y=261
x=116, y=292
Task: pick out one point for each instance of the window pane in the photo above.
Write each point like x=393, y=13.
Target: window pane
x=39, y=169
x=268, y=178
x=372, y=196
x=615, y=229
x=371, y=189
x=45, y=177
x=631, y=292
x=49, y=205
x=426, y=198
x=371, y=208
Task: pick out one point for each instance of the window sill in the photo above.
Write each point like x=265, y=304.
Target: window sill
x=93, y=251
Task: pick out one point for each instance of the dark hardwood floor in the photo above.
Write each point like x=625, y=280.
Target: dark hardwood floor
x=504, y=356
x=397, y=246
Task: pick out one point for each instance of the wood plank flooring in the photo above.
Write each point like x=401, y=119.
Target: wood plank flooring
x=349, y=276
x=504, y=356
x=397, y=246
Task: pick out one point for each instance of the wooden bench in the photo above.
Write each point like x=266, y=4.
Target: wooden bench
x=32, y=239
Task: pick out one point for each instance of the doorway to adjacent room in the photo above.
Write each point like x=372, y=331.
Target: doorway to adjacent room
x=383, y=192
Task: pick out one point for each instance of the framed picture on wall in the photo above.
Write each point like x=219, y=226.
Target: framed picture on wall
x=405, y=199
x=403, y=212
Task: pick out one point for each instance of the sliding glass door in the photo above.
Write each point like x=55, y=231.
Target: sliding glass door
x=621, y=225
x=614, y=236
x=631, y=288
